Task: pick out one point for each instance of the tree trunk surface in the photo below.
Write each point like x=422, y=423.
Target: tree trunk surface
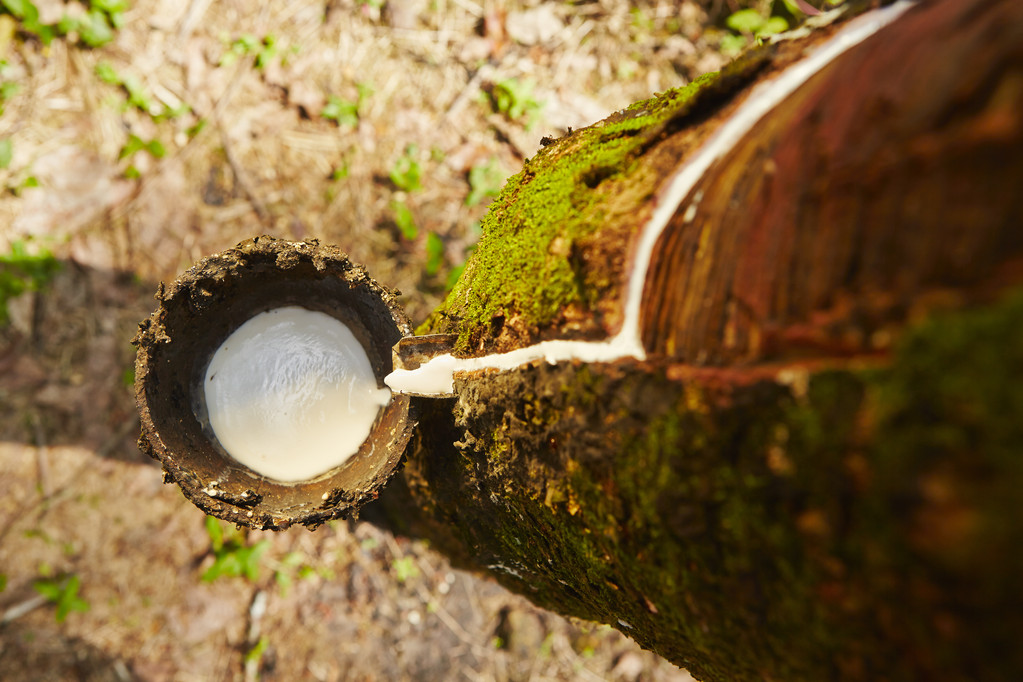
x=814, y=474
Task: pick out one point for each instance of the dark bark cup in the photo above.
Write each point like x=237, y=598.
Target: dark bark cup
x=197, y=313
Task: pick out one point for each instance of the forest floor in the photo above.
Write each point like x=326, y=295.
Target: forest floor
x=381, y=128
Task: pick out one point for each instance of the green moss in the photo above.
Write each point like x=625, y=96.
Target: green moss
x=575, y=191
x=865, y=528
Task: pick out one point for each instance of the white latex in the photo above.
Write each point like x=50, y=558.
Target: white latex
x=291, y=394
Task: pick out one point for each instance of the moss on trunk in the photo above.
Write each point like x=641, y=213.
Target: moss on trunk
x=815, y=474
x=839, y=522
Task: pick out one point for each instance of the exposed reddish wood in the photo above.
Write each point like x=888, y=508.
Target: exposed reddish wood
x=890, y=176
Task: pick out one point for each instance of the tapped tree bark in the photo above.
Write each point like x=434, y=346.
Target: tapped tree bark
x=811, y=469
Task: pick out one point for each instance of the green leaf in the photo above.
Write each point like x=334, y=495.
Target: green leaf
x=137, y=144
x=255, y=654
x=111, y=6
x=48, y=589
x=453, y=276
x=106, y=73
x=406, y=171
x=6, y=152
x=405, y=569
x=341, y=111
x=22, y=9
x=172, y=112
x=20, y=271
x=8, y=90
x=232, y=557
x=227, y=564
x=745, y=21
x=199, y=126
x=250, y=562
x=292, y=559
x=63, y=593
x=267, y=52
x=733, y=44
x=216, y=533
x=340, y=172
x=69, y=599
x=404, y=220
x=434, y=253
x=773, y=26
x=137, y=96
x=67, y=24
x=134, y=144
x=156, y=149
x=485, y=180
x=246, y=44
x=514, y=99
x=94, y=29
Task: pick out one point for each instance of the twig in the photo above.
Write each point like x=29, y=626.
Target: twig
x=19, y=610
x=447, y=619
x=256, y=611
x=42, y=463
x=243, y=183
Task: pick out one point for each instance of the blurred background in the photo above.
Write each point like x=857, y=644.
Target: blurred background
x=139, y=136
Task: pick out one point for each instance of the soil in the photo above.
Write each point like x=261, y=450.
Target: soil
x=416, y=89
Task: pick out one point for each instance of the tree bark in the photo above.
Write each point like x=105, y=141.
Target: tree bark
x=814, y=472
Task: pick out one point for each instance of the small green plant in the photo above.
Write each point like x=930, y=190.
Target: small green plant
x=453, y=276
x=485, y=180
x=254, y=656
x=641, y=23
x=27, y=15
x=406, y=173
x=196, y=128
x=232, y=556
x=24, y=269
x=772, y=18
x=434, y=254
x=132, y=86
x=404, y=219
x=138, y=97
x=340, y=172
x=405, y=569
x=247, y=45
x=751, y=22
x=514, y=99
x=62, y=590
x=456, y=272
x=7, y=91
x=136, y=144
x=6, y=152
x=343, y=111
x=289, y=563
x=95, y=28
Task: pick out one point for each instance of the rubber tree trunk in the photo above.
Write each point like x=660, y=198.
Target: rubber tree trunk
x=815, y=472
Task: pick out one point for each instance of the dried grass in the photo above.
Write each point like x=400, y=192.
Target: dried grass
x=263, y=164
